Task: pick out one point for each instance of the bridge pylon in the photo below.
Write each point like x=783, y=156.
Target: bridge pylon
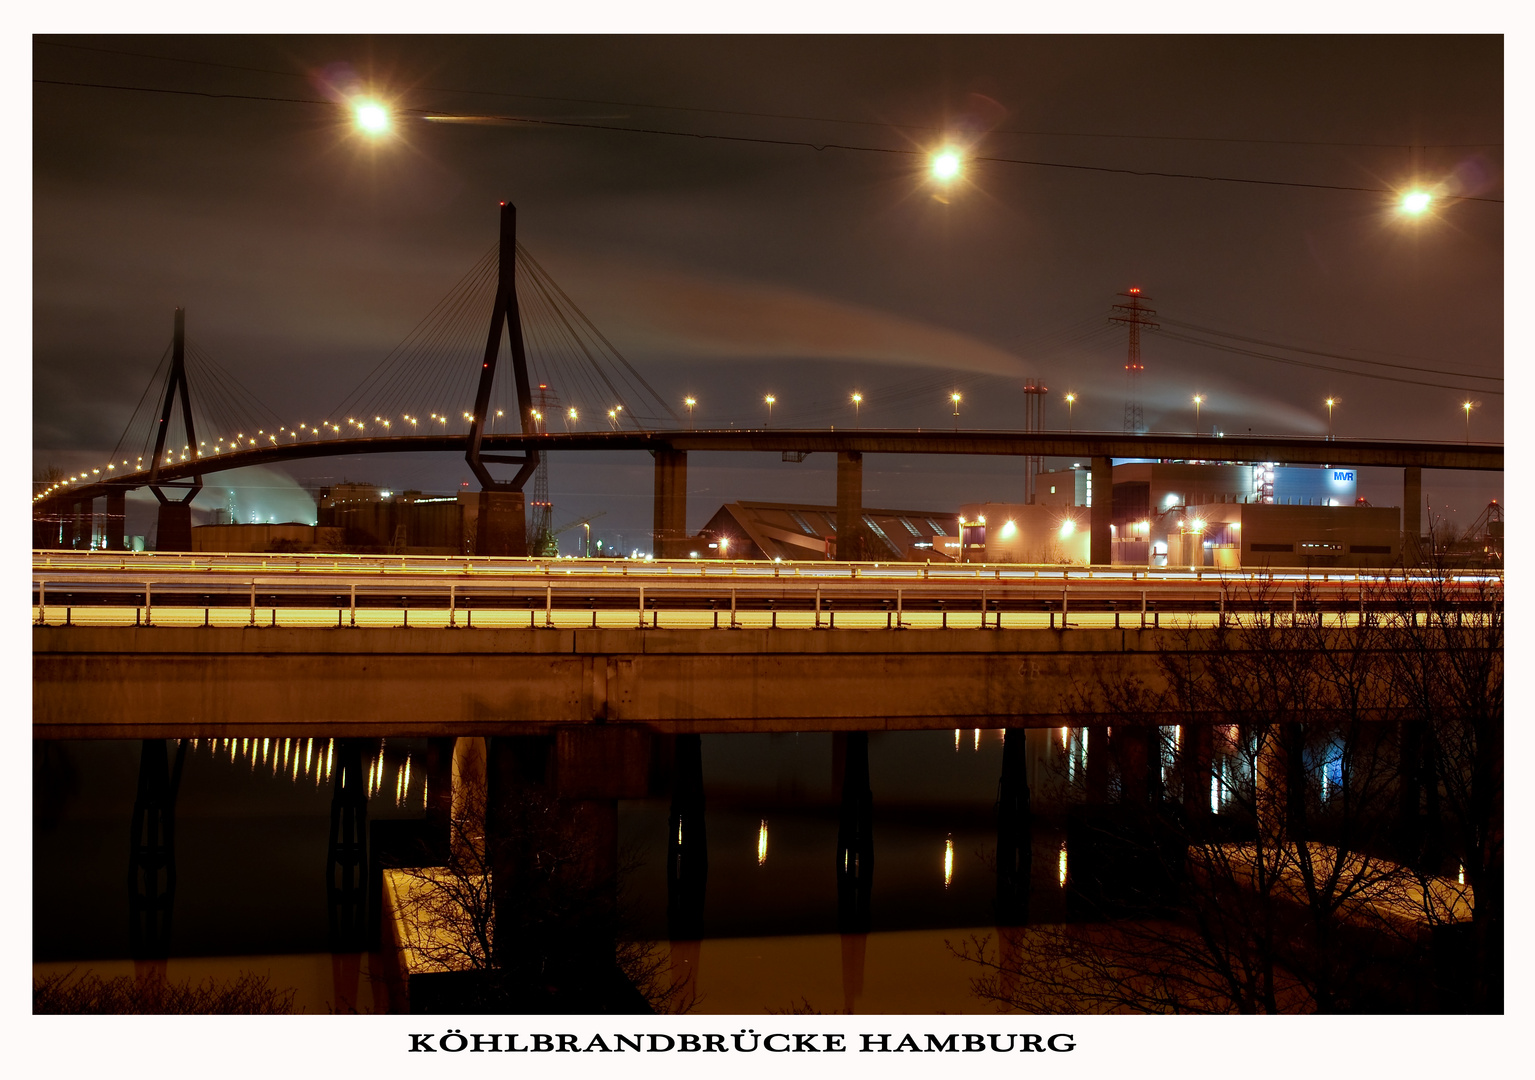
x=502, y=523
x=173, y=530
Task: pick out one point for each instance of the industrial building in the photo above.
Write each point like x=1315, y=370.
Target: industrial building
x=1193, y=514
x=760, y=530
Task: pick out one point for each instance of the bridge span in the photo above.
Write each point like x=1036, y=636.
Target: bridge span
x=72, y=503
x=161, y=647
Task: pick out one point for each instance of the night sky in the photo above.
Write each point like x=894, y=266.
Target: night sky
x=728, y=269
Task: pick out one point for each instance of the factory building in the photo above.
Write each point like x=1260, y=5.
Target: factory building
x=1193, y=514
x=760, y=530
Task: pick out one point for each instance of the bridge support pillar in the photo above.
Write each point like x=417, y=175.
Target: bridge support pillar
x=670, y=534
x=173, y=528
x=1100, y=545
x=559, y=794
x=80, y=524
x=1412, y=514
x=501, y=526
x=851, y=540
x=115, y=524
x=46, y=532
x=1195, y=750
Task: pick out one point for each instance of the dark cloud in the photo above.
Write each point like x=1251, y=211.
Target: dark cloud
x=725, y=269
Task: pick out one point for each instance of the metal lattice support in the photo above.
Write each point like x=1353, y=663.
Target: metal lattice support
x=1134, y=315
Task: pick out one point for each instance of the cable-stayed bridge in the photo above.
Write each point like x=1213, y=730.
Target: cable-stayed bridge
x=175, y=437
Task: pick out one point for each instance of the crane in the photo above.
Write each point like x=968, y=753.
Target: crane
x=586, y=521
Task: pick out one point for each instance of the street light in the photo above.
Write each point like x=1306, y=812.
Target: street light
x=954, y=397
x=857, y=401
x=946, y=165
x=1198, y=401
x=372, y=118
x=770, y=399
x=690, y=402
x=1071, y=400
x=1416, y=202
x=1330, y=403
x=1466, y=405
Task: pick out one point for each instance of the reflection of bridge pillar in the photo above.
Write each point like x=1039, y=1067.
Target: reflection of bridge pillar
x=855, y=838
x=1015, y=833
x=1412, y=514
x=115, y=525
x=687, y=849
x=855, y=950
x=173, y=527
x=502, y=525
x=346, y=862
x=852, y=542
x=152, y=852
x=1100, y=545
x=670, y=530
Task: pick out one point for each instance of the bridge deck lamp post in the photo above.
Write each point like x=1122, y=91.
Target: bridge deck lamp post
x=1198, y=401
x=690, y=402
x=954, y=397
x=770, y=399
x=1466, y=405
x=857, y=401
x=1071, y=400
x=1330, y=403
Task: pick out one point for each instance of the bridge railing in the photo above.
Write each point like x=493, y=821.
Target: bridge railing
x=410, y=597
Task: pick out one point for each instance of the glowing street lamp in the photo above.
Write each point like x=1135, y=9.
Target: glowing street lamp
x=570, y=414
x=1466, y=405
x=1071, y=400
x=371, y=118
x=946, y=165
x=690, y=402
x=954, y=399
x=857, y=401
x=1416, y=203
x=1198, y=401
x=770, y=399
x=1330, y=403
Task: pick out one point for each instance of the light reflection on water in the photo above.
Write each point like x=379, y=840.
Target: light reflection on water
x=252, y=820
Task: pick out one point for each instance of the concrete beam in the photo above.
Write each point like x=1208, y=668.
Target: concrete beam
x=164, y=682
x=173, y=528
x=1412, y=514
x=850, y=530
x=501, y=525
x=670, y=529
x=115, y=524
x=1100, y=539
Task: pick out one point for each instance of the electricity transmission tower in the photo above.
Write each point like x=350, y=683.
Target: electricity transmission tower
x=1134, y=315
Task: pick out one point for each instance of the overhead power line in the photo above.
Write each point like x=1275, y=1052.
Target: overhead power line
x=886, y=124
x=1239, y=351
x=760, y=140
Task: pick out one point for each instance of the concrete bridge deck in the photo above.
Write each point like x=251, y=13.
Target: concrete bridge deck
x=163, y=682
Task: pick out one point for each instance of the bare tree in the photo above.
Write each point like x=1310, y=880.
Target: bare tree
x=516, y=904
x=1294, y=896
